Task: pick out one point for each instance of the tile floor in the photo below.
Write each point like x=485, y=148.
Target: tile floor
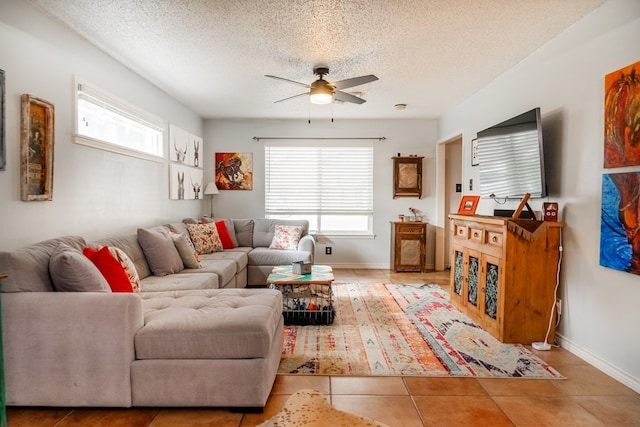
x=586, y=398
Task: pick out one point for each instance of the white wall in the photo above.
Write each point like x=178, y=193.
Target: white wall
x=94, y=192
x=402, y=136
x=566, y=79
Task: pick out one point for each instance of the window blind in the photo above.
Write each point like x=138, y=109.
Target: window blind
x=303, y=180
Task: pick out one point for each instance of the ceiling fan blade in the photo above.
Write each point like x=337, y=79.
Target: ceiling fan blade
x=291, y=97
x=356, y=81
x=287, y=80
x=347, y=97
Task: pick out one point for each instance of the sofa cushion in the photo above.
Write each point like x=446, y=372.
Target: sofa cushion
x=225, y=236
x=225, y=269
x=128, y=266
x=213, y=324
x=129, y=244
x=180, y=281
x=110, y=268
x=244, y=232
x=266, y=256
x=71, y=271
x=232, y=230
x=205, y=238
x=187, y=251
x=264, y=230
x=160, y=252
x=28, y=267
x=286, y=237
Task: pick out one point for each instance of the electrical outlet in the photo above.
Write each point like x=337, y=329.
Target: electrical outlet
x=471, y=184
x=559, y=306
x=327, y=250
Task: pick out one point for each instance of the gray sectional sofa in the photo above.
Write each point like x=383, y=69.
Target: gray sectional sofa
x=198, y=337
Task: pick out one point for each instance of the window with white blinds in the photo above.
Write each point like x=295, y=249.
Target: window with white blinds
x=103, y=121
x=330, y=184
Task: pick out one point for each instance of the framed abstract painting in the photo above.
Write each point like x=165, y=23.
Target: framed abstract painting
x=621, y=112
x=234, y=171
x=619, y=240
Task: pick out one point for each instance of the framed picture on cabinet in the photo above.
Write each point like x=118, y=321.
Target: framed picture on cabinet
x=468, y=205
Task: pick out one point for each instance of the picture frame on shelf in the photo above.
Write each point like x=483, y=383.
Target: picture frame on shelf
x=468, y=205
x=36, y=149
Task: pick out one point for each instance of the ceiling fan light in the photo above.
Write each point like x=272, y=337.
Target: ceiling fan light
x=321, y=98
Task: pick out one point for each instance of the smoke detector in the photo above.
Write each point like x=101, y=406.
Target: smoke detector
x=400, y=106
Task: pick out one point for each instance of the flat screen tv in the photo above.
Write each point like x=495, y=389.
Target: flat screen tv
x=511, y=158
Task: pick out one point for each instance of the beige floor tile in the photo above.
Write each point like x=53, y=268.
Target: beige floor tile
x=557, y=357
x=613, y=410
x=289, y=384
x=273, y=406
x=460, y=411
x=195, y=417
x=28, y=416
x=518, y=387
x=368, y=386
x=116, y=417
x=586, y=380
x=560, y=411
x=423, y=386
x=391, y=410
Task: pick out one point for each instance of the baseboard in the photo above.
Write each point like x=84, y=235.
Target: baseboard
x=365, y=266
x=601, y=364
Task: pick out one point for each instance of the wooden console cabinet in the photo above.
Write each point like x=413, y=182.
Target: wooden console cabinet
x=409, y=250
x=504, y=274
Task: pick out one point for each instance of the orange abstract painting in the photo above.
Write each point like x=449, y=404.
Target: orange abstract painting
x=234, y=171
x=622, y=117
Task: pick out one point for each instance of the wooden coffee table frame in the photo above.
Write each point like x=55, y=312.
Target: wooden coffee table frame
x=307, y=299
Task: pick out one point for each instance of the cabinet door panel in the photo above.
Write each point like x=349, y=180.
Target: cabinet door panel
x=458, y=272
x=491, y=290
x=472, y=278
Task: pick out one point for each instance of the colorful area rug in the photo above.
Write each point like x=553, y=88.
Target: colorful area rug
x=407, y=330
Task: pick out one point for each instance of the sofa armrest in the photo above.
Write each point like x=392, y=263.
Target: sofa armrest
x=308, y=243
x=69, y=348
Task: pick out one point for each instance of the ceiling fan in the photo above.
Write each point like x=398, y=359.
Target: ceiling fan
x=323, y=92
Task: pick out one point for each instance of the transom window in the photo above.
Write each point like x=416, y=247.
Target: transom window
x=328, y=183
x=106, y=122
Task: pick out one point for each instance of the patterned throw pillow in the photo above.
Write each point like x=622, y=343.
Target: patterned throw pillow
x=286, y=237
x=129, y=267
x=205, y=238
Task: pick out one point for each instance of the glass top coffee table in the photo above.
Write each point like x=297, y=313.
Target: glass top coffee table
x=306, y=298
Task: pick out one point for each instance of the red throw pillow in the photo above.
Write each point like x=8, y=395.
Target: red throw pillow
x=110, y=268
x=225, y=237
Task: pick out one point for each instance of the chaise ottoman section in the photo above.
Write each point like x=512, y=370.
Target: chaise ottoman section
x=208, y=324
x=218, y=347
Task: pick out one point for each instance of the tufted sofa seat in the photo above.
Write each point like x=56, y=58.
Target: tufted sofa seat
x=218, y=347
x=222, y=324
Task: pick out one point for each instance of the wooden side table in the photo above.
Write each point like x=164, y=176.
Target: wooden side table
x=409, y=248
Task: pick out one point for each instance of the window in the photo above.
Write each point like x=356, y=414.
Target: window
x=105, y=122
x=330, y=185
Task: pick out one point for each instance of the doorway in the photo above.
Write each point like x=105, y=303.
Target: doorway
x=448, y=182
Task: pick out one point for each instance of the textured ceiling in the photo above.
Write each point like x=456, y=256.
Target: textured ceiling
x=213, y=55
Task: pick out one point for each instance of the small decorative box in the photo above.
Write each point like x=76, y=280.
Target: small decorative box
x=301, y=267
